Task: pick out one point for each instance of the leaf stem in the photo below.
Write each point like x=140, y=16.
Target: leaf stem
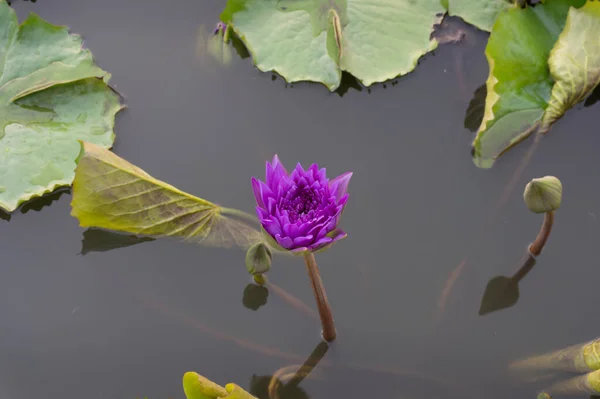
x=327, y=323
x=241, y=214
x=227, y=33
x=536, y=247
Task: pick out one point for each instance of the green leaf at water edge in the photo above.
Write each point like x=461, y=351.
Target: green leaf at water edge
x=537, y=73
x=315, y=40
x=481, y=13
x=519, y=83
x=51, y=95
x=111, y=193
x=196, y=386
x=574, y=61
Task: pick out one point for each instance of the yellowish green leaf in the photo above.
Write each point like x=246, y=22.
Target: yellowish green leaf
x=196, y=386
x=574, y=61
x=519, y=84
x=111, y=193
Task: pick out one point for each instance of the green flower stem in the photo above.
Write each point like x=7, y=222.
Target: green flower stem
x=536, y=247
x=327, y=323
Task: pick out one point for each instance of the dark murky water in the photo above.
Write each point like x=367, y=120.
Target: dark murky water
x=128, y=323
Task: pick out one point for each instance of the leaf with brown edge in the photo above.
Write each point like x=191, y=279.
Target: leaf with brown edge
x=111, y=193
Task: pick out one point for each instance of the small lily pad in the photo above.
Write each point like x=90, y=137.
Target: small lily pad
x=51, y=95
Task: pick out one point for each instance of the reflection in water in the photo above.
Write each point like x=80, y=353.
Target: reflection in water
x=283, y=384
x=38, y=203
x=4, y=215
x=593, y=98
x=476, y=109
x=348, y=82
x=239, y=47
x=255, y=296
x=12, y=1
x=98, y=240
x=503, y=292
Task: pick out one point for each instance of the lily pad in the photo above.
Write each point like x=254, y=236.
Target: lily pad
x=574, y=61
x=481, y=13
x=111, y=193
x=51, y=95
x=519, y=85
x=315, y=40
x=543, y=60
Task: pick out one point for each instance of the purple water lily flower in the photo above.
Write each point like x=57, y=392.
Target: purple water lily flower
x=301, y=210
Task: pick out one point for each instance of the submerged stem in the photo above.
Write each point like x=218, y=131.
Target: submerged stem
x=536, y=247
x=329, y=332
x=528, y=264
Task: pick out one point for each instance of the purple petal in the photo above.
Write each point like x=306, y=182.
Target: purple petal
x=339, y=234
x=272, y=227
x=257, y=192
x=285, y=242
x=275, y=172
x=261, y=213
x=303, y=241
x=320, y=243
x=290, y=230
x=299, y=250
x=339, y=185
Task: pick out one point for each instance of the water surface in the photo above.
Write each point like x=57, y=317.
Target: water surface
x=129, y=322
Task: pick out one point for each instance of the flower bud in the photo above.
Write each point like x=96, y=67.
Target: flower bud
x=258, y=259
x=543, y=194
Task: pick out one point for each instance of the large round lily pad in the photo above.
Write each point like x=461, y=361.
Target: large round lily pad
x=51, y=95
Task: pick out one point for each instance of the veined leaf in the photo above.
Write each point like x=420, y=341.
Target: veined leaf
x=481, y=13
x=51, y=95
x=315, y=40
x=519, y=85
x=111, y=193
x=574, y=61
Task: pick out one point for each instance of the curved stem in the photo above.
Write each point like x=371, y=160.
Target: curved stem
x=528, y=264
x=329, y=333
x=536, y=247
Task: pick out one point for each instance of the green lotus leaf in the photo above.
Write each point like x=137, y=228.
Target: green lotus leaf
x=235, y=392
x=481, y=13
x=574, y=61
x=111, y=193
x=519, y=85
x=196, y=386
x=315, y=40
x=51, y=95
